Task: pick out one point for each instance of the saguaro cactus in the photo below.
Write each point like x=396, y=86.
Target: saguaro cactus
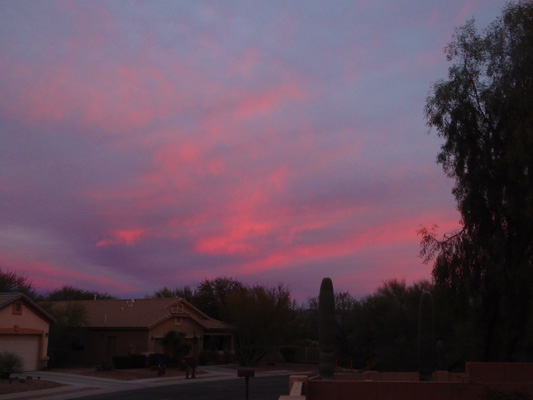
x=426, y=342
x=326, y=329
x=439, y=352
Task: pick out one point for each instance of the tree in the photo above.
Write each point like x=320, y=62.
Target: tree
x=72, y=293
x=210, y=295
x=13, y=282
x=386, y=328
x=263, y=318
x=484, y=113
x=346, y=324
x=66, y=335
x=185, y=293
x=175, y=346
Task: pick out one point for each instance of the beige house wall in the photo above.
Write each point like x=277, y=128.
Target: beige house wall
x=21, y=322
x=102, y=344
x=178, y=324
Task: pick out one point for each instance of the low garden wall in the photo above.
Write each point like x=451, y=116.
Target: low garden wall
x=481, y=381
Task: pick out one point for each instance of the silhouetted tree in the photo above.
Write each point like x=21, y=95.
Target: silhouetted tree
x=210, y=295
x=484, y=113
x=13, y=282
x=263, y=317
x=72, y=293
x=174, y=346
x=66, y=335
x=185, y=293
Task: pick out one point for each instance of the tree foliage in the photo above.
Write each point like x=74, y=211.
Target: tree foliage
x=263, y=317
x=185, y=293
x=12, y=282
x=66, y=335
x=67, y=293
x=174, y=346
x=484, y=113
x=209, y=296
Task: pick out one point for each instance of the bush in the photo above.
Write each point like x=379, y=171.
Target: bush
x=9, y=364
x=130, y=361
x=122, y=362
x=138, y=361
x=155, y=359
x=175, y=347
x=288, y=353
x=105, y=366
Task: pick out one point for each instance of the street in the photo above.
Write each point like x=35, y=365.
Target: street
x=266, y=388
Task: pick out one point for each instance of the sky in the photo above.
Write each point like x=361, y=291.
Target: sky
x=153, y=143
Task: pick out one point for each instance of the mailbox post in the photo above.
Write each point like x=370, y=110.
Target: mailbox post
x=246, y=374
x=194, y=343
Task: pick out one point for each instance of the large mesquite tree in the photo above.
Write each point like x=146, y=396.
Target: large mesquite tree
x=484, y=113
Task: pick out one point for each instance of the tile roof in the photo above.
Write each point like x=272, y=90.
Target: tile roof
x=8, y=298
x=141, y=313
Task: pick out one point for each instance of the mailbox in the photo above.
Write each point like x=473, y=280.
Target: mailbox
x=246, y=373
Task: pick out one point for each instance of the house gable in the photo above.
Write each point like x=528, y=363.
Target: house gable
x=24, y=329
x=19, y=307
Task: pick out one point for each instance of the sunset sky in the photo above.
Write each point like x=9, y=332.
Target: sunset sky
x=149, y=144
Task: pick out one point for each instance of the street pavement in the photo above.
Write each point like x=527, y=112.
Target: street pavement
x=261, y=388
x=217, y=383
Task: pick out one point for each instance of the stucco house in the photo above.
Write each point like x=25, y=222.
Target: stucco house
x=24, y=328
x=123, y=327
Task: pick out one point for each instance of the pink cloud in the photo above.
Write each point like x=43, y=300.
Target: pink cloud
x=127, y=237
x=45, y=275
x=260, y=104
x=391, y=235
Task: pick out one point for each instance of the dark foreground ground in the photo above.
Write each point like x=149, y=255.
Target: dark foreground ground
x=268, y=388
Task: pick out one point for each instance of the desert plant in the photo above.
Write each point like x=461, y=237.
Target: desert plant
x=288, y=353
x=105, y=366
x=426, y=342
x=440, y=353
x=174, y=346
x=9, y=363
x=326, y=329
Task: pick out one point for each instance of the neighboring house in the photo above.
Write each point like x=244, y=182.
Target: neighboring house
x=122, y=327
x=24, y=329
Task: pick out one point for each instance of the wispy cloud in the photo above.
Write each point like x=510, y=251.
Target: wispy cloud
x=159, y=144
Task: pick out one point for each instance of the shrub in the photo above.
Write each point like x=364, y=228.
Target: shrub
x=130, y=361
x=122, y=362
x=105, y=366
x=155, y=359
x=175, y=347
x=9, y=364
x=288, y=353
x=138, y=361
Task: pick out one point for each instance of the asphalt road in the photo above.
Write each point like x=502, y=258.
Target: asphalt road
x=266, y=388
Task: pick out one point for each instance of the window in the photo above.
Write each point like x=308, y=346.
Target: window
x=17, y=308
x=177, y=321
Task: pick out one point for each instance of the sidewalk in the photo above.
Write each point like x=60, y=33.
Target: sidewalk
x=80, y=385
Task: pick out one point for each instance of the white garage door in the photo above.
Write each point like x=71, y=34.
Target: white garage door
x=26, y=346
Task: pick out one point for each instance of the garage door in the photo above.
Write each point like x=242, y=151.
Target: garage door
x=26, y=346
